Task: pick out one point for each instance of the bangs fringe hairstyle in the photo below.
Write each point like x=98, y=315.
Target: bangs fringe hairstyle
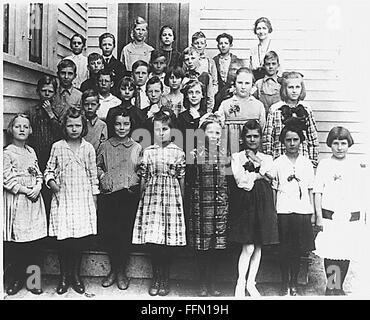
x=266, y=21
x=177, y=71
x=211, y=118
x=121, y=113
x=294, y=125
x=339, y=133
x=249, y=125
x=9, y=129
x=126, y=82
x=89, y=93
x=197, y=35
x=74, y=113
x=46, y=79
x=185, y=90
x=66, y=63
x=284, y=84
x=155, y=54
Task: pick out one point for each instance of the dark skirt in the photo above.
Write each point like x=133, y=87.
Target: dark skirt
x=116, y=216
x=296, y=233
x=253, y=216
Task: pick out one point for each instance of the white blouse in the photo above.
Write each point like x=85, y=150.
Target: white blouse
x=293, y=195
x=245, y=179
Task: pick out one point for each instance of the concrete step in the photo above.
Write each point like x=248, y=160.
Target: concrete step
x=183, y=266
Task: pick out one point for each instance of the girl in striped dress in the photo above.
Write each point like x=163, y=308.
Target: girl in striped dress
x=160, y=218
x=71, y=174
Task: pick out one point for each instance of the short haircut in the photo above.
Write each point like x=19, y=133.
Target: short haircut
x=74, y=113
x=9, y=129
x=140, y=63
x=106, y=35
x=94, y=56
x=89, y=93
x=167, y=27
x=177, y=71
x=191, y=84
x=197, y=35
x=284, y=83
x=252, y=124
x=188, y=51
x=164, y=116
x=244, y=70
x=123, y=113
x=126, y=82
x=225, y=35
x=294, y=125
x=83, y=39
x=153, y=80
x=339, y=133
x=66, y=63
x=46, y=79
x=155, y=54
x=266, y=21
x=105, y=72
x=271, y=55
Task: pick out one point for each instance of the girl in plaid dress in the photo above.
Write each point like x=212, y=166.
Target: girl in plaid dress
x=71, y=174
x=24, y=214
x=292, y=93
x=208, y=203
x=160, y=216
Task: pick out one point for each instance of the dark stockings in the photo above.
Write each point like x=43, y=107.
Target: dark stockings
x=289, y=266
x=331, y=266
x=70, y=255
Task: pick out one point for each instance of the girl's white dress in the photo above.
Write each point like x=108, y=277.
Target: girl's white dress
x=73, y=213
x=341, y=183
x=24, y=220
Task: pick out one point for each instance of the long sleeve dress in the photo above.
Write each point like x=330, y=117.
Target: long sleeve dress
x=24, y=220
x=73, y=213
x=160, y=216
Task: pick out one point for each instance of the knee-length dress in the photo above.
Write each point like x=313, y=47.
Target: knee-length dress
x=208, y=200
x=24, y=220
x=160, y=215
x=253, y=218
x=73, y=212
x=235, y=112
x=343, y=193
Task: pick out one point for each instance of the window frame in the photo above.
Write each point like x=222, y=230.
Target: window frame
x=18, y=45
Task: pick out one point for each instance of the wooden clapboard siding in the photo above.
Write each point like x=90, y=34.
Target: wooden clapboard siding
x=101, y=18
x=311, y=43
x=72, y=18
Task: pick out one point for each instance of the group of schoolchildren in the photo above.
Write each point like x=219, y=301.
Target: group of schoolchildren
x=246, y=176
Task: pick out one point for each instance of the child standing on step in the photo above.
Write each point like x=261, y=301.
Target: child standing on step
x=71, y=174
x=339, y=203
x=293, y=181
x=24, y=211
x=160, y=218
x=208, y=205
x=117, y=161
x=253, y=220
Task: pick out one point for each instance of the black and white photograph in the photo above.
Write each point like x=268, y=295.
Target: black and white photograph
x=185, y=150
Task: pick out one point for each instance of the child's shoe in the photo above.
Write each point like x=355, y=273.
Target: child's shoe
x=122, y=281
x=252, y=290
x=15, y=287
x=109, y=280
x=240, y=289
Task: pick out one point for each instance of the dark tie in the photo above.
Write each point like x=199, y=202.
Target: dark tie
x=106, y=61
x=138, y=98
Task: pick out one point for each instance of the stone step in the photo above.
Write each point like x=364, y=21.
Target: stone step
x=183, y=266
